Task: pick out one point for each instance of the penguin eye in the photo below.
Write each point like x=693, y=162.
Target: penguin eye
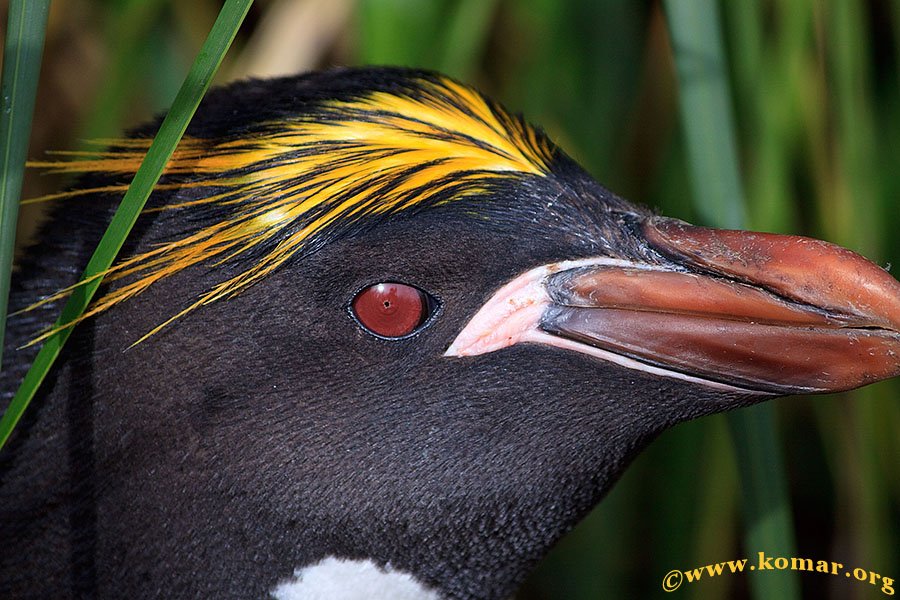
x=392, y=310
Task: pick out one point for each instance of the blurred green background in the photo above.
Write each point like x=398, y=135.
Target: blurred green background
x=816, y=91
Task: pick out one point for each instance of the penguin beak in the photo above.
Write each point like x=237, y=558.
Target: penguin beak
x=731, y=309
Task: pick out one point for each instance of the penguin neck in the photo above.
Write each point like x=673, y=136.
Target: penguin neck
x=479, y=542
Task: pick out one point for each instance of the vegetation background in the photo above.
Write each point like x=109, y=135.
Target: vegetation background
x=816, y=98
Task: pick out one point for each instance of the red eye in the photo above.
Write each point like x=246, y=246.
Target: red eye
x=391, y=310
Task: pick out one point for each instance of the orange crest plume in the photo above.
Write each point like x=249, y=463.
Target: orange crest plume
x=278, y=187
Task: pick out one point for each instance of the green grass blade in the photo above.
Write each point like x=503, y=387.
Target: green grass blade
x=765, y=498
x=465, y=37
x=709, y=132
x=706, y=112
x=170, y=132
x=399, y=32
x=21, y=67
x=125, y=36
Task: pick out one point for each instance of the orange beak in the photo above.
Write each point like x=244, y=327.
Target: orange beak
x=754, y=311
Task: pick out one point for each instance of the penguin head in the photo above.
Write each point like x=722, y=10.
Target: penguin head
x=380, y=318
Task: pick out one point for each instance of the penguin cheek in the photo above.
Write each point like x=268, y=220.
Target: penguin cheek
x=392, y=310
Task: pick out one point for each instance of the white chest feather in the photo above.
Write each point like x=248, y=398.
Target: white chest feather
x=339, y=579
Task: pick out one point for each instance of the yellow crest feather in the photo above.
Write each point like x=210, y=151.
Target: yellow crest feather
x=287, y=181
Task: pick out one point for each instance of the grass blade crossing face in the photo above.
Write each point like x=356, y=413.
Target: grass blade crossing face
x=171, y=130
